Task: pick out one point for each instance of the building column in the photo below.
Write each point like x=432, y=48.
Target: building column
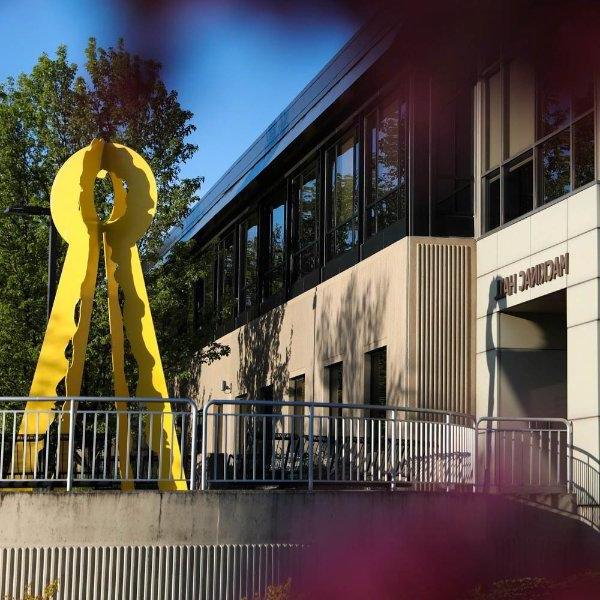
x=583, y=364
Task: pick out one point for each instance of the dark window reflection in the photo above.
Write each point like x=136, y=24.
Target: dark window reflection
x=556, y=160
x=378, y=381
x=342, y=221
x=204, y=299
x=492, y=212
x=555, y=105
x=224, y=278
x=249, y=262
x=274, y=278
x=583, y=150
x=336, y=391
x=452, y=164
x=305, y=218
x=583, y=95
x=519, y=190
x=386, y=166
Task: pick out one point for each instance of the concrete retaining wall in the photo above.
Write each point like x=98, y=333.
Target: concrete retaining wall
x=366, y=537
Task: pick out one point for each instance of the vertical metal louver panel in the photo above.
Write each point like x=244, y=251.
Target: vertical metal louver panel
x=223, y=572
x=443, y=326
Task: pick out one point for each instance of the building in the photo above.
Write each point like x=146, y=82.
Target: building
x=420, y=226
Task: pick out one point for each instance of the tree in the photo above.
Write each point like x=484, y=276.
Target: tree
x=47, y=115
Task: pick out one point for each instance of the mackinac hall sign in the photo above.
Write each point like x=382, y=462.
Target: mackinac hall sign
x=537, y=275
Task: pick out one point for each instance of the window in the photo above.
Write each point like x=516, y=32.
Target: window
x=452, y=162
x=296, y=394
x=385, y=166
x=539, y=128
x=248, y=263
x=519, y=187
x=336, y=383
x=204, y=292
x=296, y=391
x=336, y=396
x=224, y=279
x=492, y=194
x=342, y=196
x=305, y=219
x=378, y=377
x=336, y=391
x=274, y=275
x=566, y=124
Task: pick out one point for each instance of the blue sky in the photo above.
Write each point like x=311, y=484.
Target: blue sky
x=235, y=69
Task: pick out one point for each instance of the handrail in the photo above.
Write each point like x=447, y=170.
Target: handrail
x=343, y=405
x=341, y=435
x=365, y=443
x=104, y=439
x=99, y=399
x=568, y=429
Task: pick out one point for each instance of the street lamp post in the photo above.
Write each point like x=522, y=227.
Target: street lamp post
x=28, y=211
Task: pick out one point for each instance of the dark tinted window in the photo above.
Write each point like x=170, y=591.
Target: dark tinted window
x=248, y=262
x=583, y=150
x=305, y=218
x=556, y=165
x=342, y=200
x=336, y=392
x=519, y=188
x=274, y=275
x=492, y=209
x=385, y=168
x=224, y=278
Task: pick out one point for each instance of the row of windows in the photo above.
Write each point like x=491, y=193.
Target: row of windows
x=256, y=433
x=336, y=201
x=376, y=372
x=539, y=137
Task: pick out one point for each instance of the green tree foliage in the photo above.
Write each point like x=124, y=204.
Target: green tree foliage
x=47, y=115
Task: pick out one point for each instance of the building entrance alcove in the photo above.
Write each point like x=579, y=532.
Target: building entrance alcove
x=527, y=449
x=533, y=358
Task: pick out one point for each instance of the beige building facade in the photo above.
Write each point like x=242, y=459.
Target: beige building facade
x=414, y=300
x=424, y=231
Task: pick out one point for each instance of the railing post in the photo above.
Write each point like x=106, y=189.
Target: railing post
x=569, y=457
x=193, y=447
x=203, y=483
x=311, y=438
x=475, y=453
x=449, y=450
x=393, y=453
x=71, y=444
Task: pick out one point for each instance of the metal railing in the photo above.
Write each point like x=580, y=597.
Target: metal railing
x=585, y=485
x=98, y=442
x=124, y=443
x=272, y=442
x=524, y=454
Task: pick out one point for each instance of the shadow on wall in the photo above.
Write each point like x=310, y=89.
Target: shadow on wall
x=358, y=322
x=262, y=359
x=490, y=355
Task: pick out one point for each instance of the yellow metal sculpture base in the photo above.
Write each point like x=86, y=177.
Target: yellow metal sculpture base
x=75, y=218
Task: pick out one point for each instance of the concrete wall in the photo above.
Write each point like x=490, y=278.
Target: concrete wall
x=416, y=297
x=533, y=365
x=572, y=226
x=360, y=538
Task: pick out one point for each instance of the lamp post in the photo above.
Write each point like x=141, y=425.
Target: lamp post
x=29, y=211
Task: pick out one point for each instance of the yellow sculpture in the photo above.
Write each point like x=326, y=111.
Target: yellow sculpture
x=75, y=218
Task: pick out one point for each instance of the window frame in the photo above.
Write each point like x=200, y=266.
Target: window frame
x=297, y=275
x=399, y=98
x=507, y=161
x=277, y=198
x=246, y=311
x=330, y=204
